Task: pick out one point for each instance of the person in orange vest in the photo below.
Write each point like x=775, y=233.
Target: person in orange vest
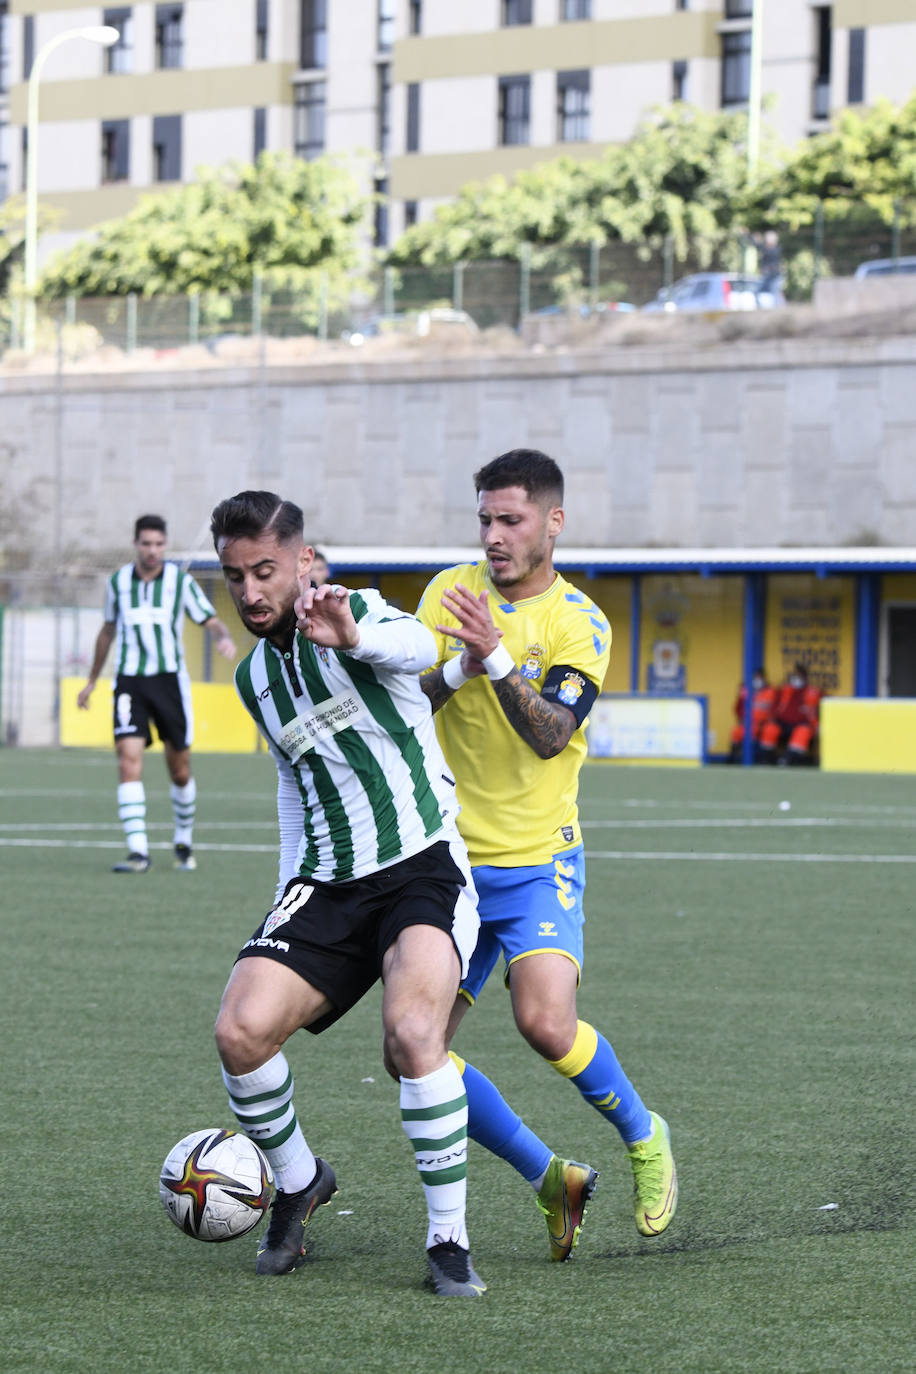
x=795, y=720
x=763, y=699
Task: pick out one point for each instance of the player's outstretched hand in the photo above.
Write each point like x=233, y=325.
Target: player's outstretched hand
x=323, y=615
x=82, y=700
x=226, y=647
x=475, y=626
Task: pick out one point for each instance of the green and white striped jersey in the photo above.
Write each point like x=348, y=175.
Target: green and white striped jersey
x=150, y=618
x=362, y=780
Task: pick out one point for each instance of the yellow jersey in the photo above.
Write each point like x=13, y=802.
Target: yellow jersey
x=518, y=809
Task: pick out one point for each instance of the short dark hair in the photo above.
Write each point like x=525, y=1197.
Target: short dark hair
x=523, y=467
x=251, y=513
x=148, y=522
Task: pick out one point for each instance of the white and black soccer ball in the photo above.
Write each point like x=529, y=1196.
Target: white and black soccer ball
x=216, y=1185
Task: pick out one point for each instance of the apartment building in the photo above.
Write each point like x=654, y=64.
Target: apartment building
x=421, y=95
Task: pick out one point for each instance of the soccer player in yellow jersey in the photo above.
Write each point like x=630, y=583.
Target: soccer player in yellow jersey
x=522, y=656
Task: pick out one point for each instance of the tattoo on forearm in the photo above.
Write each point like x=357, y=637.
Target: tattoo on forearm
x=544, y=725
x=436, y=689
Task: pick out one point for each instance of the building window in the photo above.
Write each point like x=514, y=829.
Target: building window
x=167, y=148
x=514, y=109
x=385, y=25
x=679, y=81
x=413, y=117
x=575, y=9
x=682, y=4
x=516, y=12
x=573, y=106
x=823, y=42
x=309, y=113
x=383, y=109
x=855, y=92
x=736, y=68
x=4, y=46
x=739, y=9
x=411, y=213
x=169, y=40
x=381, y=212
x=28, y=45
x=313, y=34
x=415, y=22
x=260, y=31
x=115, y=149
x=259, y=135
x=120, y=56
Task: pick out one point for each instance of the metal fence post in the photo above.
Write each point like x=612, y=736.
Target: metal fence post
x=895, y=232
x=668, y=261
x=131, y=322
x=594, y=251
x=524, y=281
x=193, y=318
x=458, y=286
x=323, y=304
x=257, y=285
x=388, y=291
x=818, y=239
x=16, y=323
x=70, y=310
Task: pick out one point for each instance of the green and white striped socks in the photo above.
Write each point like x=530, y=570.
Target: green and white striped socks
x=434, y=1114
x=184, y=801
x=132, y=815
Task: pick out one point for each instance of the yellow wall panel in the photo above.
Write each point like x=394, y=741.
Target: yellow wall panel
x=221, y=723
x=868, y=735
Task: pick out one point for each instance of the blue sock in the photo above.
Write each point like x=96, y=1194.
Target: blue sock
x=593, y=1066
x=493, y=1124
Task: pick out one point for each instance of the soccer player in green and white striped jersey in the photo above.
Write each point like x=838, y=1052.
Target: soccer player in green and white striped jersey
x=146, y=602
x=373, y=882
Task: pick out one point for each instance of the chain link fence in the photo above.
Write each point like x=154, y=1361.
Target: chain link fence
x=502, y=292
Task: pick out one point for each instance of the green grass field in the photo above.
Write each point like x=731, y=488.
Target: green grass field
x=754, y=966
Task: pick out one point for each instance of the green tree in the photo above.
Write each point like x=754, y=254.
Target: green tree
x=683, y=175
x=292, y=223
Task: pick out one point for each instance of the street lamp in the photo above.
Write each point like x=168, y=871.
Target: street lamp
x=105, y=34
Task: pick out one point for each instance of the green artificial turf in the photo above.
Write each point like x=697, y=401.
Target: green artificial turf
x=753, y=966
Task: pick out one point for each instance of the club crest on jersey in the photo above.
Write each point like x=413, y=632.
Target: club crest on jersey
x=571, y=688
x=533, y=663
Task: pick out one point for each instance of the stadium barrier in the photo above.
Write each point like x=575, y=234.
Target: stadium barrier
x=647, y=728
x=221, y=723
x=868, y=735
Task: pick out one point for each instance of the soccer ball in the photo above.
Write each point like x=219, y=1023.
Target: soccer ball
x=216, y=1185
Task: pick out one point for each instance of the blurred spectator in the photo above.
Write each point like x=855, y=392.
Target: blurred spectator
x=763, y=700
x=769, y=264
x=791, y=736
x=320, y=571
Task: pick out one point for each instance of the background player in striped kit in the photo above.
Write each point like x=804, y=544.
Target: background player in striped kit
x=146, y=602
x=373, y=880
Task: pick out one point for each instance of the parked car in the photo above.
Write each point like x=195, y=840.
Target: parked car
x=885, y=267
x=438, y=320
x=715, y=291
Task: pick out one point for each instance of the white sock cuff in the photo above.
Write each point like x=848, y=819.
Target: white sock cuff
x=130, y=792
x=438, y=1086
x=188, y=793
x=270, y=1077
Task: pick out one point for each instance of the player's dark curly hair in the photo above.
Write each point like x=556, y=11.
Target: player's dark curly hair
x=252, y=513
x=539, y=475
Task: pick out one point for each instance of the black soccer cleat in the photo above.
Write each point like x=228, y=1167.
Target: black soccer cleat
x=185, y=861
x=282, y=1249
x=451, y=1273
x=134, y=863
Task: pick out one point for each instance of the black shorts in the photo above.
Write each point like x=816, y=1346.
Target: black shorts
x=163, y=701
x=335, y=935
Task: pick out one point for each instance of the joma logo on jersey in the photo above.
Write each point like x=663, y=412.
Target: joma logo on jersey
x=547, y=929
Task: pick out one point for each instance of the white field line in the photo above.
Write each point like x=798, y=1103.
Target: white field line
x=646, y=855
x=43, y=827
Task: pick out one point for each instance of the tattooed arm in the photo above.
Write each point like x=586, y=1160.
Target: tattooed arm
x=546, y=726
x=436, y=689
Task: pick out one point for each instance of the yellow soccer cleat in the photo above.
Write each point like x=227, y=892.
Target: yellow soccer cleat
x=563, y=1196
x=654, y=1179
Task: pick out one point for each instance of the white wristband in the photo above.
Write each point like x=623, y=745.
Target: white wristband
x=498, y=664
x=452, y=674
